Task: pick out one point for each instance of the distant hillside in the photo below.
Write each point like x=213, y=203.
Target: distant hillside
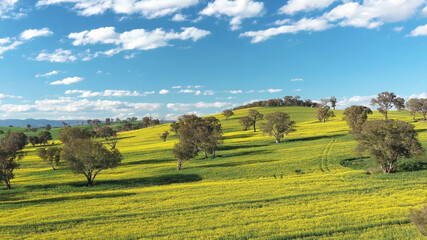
x=37, y=122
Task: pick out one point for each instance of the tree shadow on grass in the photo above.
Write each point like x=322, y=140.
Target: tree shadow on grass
x=235, y=164
x=314, y=138
x=240, y=146
x=244, y=135
x=122, y=183
x=150, y=161
x=121, y=138
x=67, y=198
x=242, y=153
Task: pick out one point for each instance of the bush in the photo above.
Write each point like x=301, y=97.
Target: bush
x=409, y=165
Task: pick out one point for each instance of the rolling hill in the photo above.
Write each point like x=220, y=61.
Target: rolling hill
x=254, y=189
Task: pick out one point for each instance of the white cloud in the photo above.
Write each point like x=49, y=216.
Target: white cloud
x=294, y=6
x=7, y=44
x=32, y=33
x=271, y=90
x=59, y=55
x=54, y=72
x=398, y=29
x=208, y=92
x=177, y=87
x=67, y=81
x=237, y=10
x=5, y=96
x=305, y=24
x=419, y=31
x=179, y=17
x=297, y=90
x=424, y=11
x=149, y=93
x=235, y=91
x=6, y=6
x=106, y=93
x=282, y=22
x=163, y=91
x=68, y=107
x=186, y=91
x=373, y=13
x=147, y=8
x=355, y=100
x=188, y=106
x=297, y=80
x=138, y=39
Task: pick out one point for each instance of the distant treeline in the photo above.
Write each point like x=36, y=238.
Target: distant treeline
x=286, y=101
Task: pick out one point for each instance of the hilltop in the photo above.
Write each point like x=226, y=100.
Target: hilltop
x=310, y=186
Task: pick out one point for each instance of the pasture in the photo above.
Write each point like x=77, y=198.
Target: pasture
x=254, y=189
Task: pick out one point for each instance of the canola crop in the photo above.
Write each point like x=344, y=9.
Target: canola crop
x=254, y=189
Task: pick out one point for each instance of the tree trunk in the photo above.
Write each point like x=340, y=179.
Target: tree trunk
x=277, y=140
x=7, y=181
x=206, y=154
x=324, y=120
x=386, y=115
x=214, y=154
x=89, y=180
x=254, y=126
x=179, y=167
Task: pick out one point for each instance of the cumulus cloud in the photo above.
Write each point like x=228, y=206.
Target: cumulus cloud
x=136, y=39
x=398, y=29
x=355, y=100
x=189, y=106
x=163, y=91
x=177, y=87
x=54, y=72
x=7, y=44
x=146, y=8
x=294, y=6
x=305, y=24
x=68, y=108
x=179, y=17
x=32, y=33
x=6, y=6
x=59, y=55
x=419, y=31
x=67, y=81
x=271, y=90
x=237, y=10
x=373, y=13
x=106, y=93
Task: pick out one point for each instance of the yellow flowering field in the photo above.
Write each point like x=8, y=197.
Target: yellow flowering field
x=254, y=189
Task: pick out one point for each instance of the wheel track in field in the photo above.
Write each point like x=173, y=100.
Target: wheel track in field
x=324, y=159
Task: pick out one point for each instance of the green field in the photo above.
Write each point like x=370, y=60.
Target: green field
x=254, y=189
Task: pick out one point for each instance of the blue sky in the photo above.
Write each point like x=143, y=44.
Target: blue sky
x=81, y=59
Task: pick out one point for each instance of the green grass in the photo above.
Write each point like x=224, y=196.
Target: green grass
x=299, y=189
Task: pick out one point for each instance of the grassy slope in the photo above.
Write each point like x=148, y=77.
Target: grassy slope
x=252, y=190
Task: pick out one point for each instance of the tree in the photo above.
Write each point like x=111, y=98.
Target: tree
x=108, y=121
x=175, y=128
x=164, y=136
x=385, y=101
x=356, y=116
x=89, y=158
x=278, y=125
x=419, y=219
x=109, y=135
x=48, y=127
x=45, y=137
x=10, y=153
x=255, y=116
x=414, y=105
x=50, y=155
x=324, y=111
x=34, y=140
x=146, y=121
x=423, y=102
x=399, y=104
x=227, y=113
x=333, y=101
x=388, y=140
x=197, y=134
x=184, y=151
x=246, y=122
x=66, y=135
